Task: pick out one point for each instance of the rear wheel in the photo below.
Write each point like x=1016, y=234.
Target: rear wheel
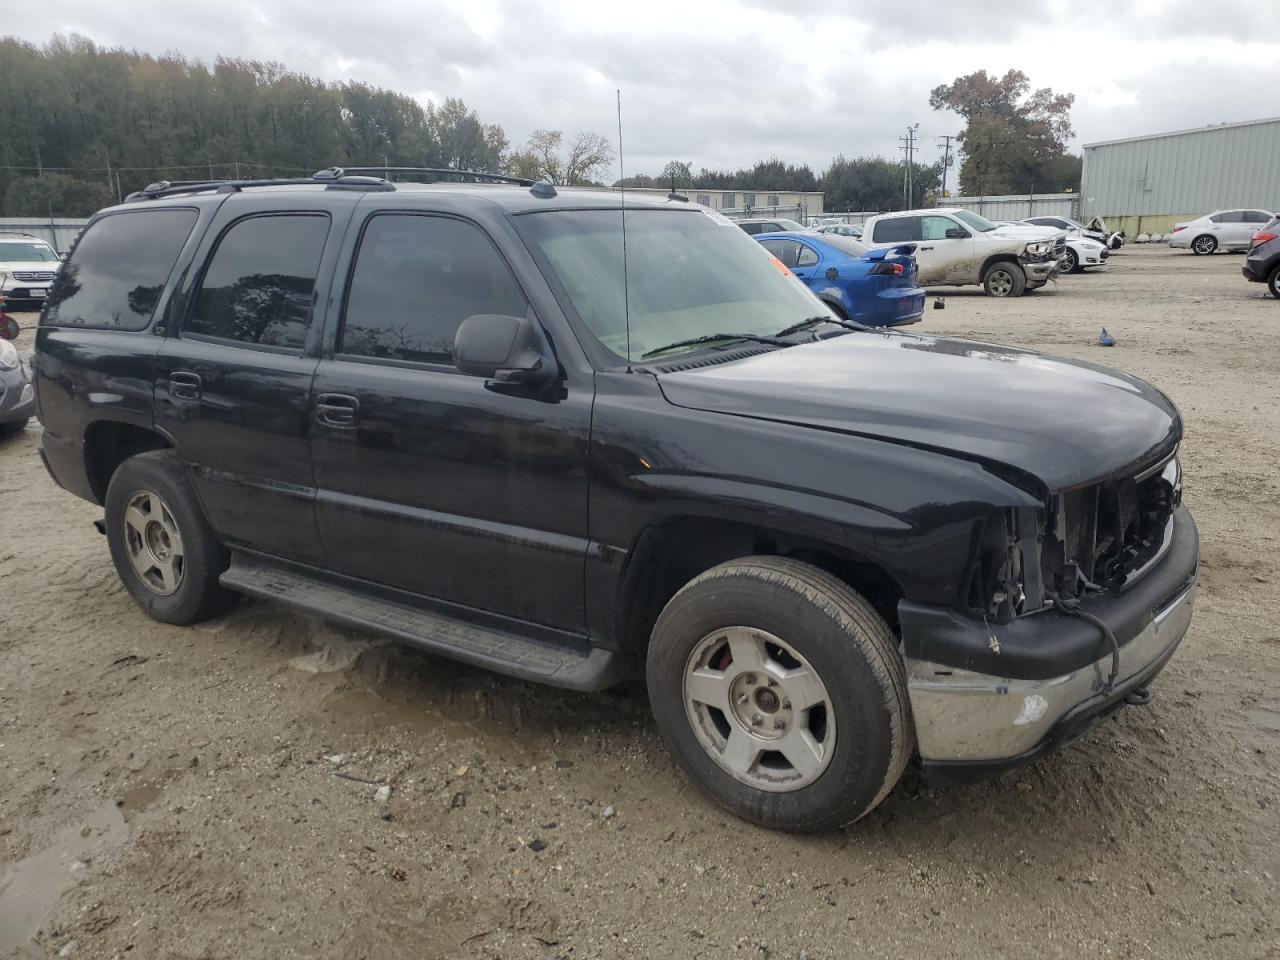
x=1273, y=282
x=1204, y=244
x=1004, y=279
x=781, y=693
x=163, y=548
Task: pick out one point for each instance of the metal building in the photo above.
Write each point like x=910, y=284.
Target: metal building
x=1149, y=183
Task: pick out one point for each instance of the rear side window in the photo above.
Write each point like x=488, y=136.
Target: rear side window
x=897, y=230
x=416, y=278
x=258, y=286
x=118, y=270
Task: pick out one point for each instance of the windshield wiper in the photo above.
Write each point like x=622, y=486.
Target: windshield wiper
x=813, y=321
x=712, y=338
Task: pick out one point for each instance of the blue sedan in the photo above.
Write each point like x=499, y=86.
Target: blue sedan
x=876, y=287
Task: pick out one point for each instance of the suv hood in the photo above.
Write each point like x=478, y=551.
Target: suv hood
x=1062, y=421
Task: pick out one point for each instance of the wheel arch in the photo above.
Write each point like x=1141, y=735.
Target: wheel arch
x=109, y=443
x=995, y=258
x=668, y=555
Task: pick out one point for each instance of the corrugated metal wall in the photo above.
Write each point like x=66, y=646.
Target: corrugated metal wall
x=1017, y=207
x=1184, y=175
x=60, y=233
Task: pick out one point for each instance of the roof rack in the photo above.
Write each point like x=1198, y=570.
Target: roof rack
x=334, y=178
x=444, y=172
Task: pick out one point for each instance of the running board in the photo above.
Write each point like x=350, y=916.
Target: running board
x=494, y=649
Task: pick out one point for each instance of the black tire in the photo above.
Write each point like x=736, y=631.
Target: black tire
x=1070, y=262
x=14, y=427
x=845, y=643
x=198, y=595
x=1273, y=282
x=1004, y=279
x=1204, y=244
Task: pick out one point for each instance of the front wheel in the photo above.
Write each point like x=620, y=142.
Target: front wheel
x=1070, y=262
x=1204, y=244
x=163, y=548
x=1004, y=280
x=781, y=693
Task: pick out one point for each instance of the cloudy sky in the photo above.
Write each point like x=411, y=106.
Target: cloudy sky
x=724, y=82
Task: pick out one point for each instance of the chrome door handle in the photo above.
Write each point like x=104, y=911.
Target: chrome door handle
x=337, y=410
x=184, y=385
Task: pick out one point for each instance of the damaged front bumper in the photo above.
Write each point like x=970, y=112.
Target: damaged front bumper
x=989, y=697
x=1041, y=271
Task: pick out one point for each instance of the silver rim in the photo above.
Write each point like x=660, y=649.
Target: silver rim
x=1070, y=265
x=759, y=709
x=1001, y=283
x=1204, y=244
x=153, y=543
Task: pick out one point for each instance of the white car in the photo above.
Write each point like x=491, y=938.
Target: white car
x=1082, y=253
x=1221, y=230
x=1075, y=228
x=27, y=268
x=955, y=247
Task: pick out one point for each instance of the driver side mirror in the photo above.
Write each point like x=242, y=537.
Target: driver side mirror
x=957, y=233
x=503, y=349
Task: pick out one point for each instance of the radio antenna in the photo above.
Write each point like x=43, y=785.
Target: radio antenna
x=626, y=299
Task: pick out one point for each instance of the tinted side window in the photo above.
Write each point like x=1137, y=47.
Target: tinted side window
x=259, y=282
x=1256, y=216
x=416, y=279
x=897, y=230
x=118, y=270
x=751, y=228
x=807, y=257
x=788, y=251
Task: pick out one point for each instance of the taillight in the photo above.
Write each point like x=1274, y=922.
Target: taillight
x=883, y=269
x=1262, y=237
x=1176, y=229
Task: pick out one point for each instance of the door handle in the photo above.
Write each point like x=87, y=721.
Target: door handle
x=926, y=248
x=184, y=385
x=337, y=410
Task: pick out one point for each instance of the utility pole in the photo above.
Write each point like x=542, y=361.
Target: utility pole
x=909, y=154
x=945, y=147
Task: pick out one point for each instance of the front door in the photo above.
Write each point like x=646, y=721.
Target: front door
x=233, y=387
x=942, y=258
x=432, y=481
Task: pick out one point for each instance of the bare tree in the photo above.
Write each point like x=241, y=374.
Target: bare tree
x=582, y=160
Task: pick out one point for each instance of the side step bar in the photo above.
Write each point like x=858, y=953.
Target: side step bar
x=494, y=649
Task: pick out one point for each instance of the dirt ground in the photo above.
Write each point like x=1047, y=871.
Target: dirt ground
x=213, y=792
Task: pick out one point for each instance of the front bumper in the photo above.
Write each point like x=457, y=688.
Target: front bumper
x=36, y=290
x=1040, y=272
x=17, y=396
x=974, y=719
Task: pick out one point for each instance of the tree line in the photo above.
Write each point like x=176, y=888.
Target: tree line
x=83, y=125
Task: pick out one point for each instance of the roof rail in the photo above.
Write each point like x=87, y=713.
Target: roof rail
x=443, y=172
x=333, y=178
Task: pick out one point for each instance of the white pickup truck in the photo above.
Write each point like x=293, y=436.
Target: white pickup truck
x=956, y=247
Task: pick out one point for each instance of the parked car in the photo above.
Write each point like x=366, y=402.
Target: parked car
x=843, y=229
x=770, y=225
x=462, y=416
x=877, y=288
x=1074, y=228
x=1084, y=253
x=1262, y=265
x=17, y=396
x=956, y=247
x=1222, y=230
x=27, y=267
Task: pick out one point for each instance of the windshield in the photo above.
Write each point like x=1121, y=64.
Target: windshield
x=855, y=248
x=26, y=252
x=981, y=224
x=689, y=274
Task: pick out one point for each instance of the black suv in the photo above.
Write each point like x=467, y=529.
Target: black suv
x=580, y=442
x=1262, y=264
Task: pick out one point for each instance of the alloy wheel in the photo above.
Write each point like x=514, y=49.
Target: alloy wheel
x=759, y=709
x=1001, y=283
x=154, y=543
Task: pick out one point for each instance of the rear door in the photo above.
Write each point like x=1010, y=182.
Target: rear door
x=233, y=382
x=429, y=480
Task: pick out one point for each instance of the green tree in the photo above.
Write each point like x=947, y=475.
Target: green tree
x=874, y=183
x=55, y=194
x=1014, y=139
x=676, y=174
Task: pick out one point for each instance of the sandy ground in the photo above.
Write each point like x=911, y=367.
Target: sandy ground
x=212, y=792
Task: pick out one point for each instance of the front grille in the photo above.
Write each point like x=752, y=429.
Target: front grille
x=33, y=276
x=1111, y=531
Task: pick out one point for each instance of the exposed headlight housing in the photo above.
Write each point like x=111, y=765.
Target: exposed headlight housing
x=8, y=356
x=1038, y=248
